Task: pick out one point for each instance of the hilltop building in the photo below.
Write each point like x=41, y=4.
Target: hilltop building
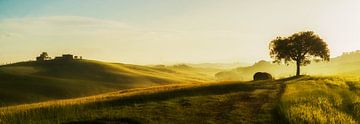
x=64, y=57
x=68, y=57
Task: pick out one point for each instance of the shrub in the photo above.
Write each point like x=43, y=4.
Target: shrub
x=262, y=76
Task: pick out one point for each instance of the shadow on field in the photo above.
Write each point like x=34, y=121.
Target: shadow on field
x=217, y=89
x=109, y=121
x=291, y=78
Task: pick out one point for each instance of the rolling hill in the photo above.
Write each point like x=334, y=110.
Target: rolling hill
x=27, y=82
x=292, y=100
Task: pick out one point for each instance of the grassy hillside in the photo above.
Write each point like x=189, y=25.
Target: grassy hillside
x=293, y=100
x=240, y=102
x=27, y=82
x=321, y=100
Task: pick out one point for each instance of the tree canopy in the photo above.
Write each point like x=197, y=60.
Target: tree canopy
x=302, y=47
x=44, y=54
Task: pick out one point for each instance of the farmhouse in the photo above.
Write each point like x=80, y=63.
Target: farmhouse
x=67, y=57
x=64, y=57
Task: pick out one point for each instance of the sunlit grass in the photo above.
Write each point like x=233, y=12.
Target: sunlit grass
x=27, y=112
x=223, y=102
x=321, y=100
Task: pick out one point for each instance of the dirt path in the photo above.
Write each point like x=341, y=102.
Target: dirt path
x=257, y=106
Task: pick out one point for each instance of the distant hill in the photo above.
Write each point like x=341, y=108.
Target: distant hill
x=246, y=73
x=220, y=65
x=346, y=64
x=27, y=82
x=348, y=57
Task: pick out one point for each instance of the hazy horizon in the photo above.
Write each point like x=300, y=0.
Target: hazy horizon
x=165, y=32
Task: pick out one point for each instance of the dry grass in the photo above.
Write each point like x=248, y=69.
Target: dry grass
x=225, y=102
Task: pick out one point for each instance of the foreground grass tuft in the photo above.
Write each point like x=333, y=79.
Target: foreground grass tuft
x=321, y=100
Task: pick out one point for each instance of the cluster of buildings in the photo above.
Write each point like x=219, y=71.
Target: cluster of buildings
x=65, y=57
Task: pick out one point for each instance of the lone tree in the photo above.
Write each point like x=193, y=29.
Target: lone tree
x=44, y=55
x=302, y=47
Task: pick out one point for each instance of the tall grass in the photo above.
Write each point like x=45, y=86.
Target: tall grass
x=201, y=103
x=321, y=100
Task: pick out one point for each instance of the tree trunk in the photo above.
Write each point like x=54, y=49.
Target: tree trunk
x=297, y=68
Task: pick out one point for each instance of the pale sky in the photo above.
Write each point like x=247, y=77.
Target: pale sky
x=170, y=31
